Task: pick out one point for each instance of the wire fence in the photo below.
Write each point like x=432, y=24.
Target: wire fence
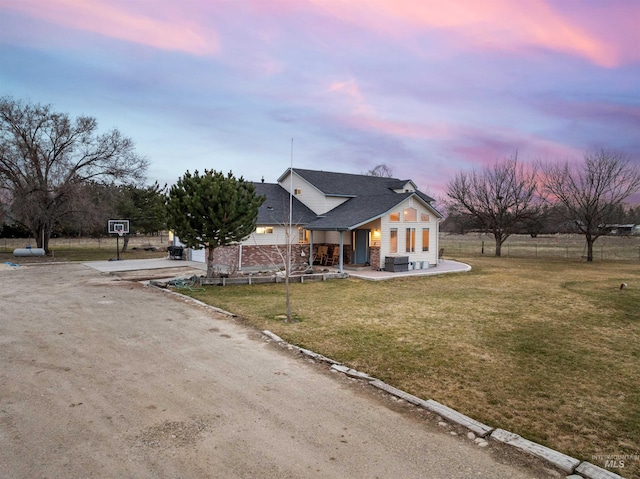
x=606, y=248
x=7, y=245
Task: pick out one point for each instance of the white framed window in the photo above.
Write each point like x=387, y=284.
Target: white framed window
x=411, y=240
x=264, y=230
x=425, y=239
x=393, y=240
x=303, y=235
x=410, y=214
x=394, y=217
x=297, y=191
x=424, y=217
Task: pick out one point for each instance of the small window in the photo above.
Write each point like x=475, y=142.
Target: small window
x=303, y=235
x=394, y=217
x=297, y=191
x=264, y=230
x=424, y=217
x=411, y=240
x=425, y=239
x=410, y=214
x=393, y=241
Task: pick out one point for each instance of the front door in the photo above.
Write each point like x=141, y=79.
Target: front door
x=361, y=249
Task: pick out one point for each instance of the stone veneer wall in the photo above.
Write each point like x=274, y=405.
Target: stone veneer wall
x=258, y=257
x=374, y=257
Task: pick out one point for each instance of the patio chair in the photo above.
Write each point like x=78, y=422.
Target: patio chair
x=335, y=256
x=321, y=255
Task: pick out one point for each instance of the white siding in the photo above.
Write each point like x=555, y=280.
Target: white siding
x=199, y=255
x=334, y=237
x=310, y=196
x=385, y=227
x=319, y=237
x=277, y=237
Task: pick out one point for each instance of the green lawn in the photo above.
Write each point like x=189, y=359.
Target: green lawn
x=547, y=349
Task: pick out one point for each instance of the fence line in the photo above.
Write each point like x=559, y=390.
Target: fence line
x=7, y=245
x=606, y=248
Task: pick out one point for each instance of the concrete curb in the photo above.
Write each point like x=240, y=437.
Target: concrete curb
x=568, y=464
x=587, y=469
x=562, y=461
x=191, y=300
x=453, y=416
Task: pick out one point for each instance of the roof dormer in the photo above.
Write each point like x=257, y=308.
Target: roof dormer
x=408, y=187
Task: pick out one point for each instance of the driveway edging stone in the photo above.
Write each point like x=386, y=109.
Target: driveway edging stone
x=566, y=463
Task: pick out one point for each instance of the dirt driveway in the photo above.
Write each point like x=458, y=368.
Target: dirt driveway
x=104, y=378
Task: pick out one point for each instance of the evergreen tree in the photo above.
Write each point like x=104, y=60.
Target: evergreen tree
x=212, y=210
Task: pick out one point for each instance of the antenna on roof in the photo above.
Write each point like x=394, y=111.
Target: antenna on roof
x=291, y=188
x=289, y=227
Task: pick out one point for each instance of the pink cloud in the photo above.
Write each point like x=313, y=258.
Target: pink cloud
x=117, y=20
x=399, y=128
x=504, y=24
x=483, y=147
x=350, y=87
x=349, y=92
x=363, y=116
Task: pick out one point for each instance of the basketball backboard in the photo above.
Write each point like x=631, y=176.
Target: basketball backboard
x=118, y=227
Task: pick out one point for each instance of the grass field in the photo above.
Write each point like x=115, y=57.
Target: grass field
x=559, y=246
x=85, y=249
x=547, y=349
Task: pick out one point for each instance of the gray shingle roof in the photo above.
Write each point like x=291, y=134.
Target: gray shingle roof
x=369, y=198
x=357, y=211
x=347, y=184
x=275, y=210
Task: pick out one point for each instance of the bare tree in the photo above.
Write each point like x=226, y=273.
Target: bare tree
x=90, y=207
x=381, y=170
x=46, y=157
x=284, y=253
x=591, y=192
x=498, y=199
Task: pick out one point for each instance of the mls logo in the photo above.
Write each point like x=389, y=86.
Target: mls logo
x=614, y=464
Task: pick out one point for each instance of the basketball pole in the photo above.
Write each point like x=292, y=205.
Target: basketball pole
x=118, y=247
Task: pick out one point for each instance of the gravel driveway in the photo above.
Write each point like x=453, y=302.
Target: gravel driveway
x=105, y=378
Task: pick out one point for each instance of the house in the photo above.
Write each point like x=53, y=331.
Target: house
x=337, y=219
x=622, y=230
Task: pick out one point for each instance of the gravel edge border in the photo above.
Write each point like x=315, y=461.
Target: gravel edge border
x=568, y=464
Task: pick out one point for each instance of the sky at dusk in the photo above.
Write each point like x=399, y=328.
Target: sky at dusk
x=426, y=87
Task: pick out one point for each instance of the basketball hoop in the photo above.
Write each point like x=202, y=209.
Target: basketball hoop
x=118, y=228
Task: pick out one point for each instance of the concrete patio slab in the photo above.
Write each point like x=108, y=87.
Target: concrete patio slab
x=143, y=264
x=443, y=267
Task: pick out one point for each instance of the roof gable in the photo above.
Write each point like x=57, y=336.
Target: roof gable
x=350, y=185
x=363, y=209
x=275, y=209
